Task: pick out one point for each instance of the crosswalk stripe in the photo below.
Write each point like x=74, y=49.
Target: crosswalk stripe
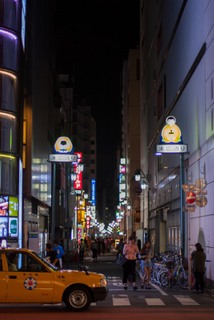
x=154, y=302
x=186, y=300
x=121, y=300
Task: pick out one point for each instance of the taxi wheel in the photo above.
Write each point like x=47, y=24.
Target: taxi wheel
x=78, y=298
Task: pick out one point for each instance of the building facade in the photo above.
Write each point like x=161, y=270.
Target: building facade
x=11, y=106
x=129, y=196
x=176, y=50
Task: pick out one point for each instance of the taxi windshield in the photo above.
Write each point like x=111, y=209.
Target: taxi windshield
x=45, y=261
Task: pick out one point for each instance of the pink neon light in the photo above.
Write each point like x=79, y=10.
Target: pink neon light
x=78, y=181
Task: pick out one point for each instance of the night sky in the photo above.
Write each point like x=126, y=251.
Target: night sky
x=94, y=36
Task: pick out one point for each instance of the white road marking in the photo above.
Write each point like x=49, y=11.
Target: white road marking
x=159, y=289
x=154, y=302
x=186, y=300
x=121, y=300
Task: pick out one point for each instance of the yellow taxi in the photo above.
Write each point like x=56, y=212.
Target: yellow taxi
x=25, y=277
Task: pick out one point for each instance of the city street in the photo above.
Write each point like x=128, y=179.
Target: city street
x=157, y=303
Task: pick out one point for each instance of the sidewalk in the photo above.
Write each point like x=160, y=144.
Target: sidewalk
x=74, y=262
x=108, y=256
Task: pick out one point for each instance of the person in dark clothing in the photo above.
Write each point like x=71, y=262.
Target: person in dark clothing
x=50, y=253
x=198, y=258
x=139, y=244
x=82, y=248
x=119, y=248
x=94, y=248
x=103, y=246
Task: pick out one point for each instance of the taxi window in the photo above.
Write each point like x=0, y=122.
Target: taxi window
x=28, y=263
x=12, y=261
x=22, y=261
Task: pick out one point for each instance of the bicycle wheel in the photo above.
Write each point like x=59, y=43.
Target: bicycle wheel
x=164, y=279
x=183, y=280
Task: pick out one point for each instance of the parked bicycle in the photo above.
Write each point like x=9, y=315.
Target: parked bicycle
x=159, y=265
x=176, y=274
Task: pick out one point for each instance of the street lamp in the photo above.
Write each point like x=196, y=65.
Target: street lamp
x=127, y=217
x=142, y=178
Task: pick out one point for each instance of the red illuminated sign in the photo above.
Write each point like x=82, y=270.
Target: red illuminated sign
x=78, y=181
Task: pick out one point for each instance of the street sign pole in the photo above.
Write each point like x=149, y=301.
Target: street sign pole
x=63, y=149
x=53, y=201
x=172, y=143
x=182, y=204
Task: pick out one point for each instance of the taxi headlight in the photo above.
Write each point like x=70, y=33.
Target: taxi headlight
x=103, y=282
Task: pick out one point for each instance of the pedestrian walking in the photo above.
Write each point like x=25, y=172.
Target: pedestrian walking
x=130, y=251
x=119, y=247
x=198, y=258
x=103, y=247
x=94, y=249
x=146, y=258
x=82, y=248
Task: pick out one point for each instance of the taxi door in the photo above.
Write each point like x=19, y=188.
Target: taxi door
x=32, y=282
x=3, y=284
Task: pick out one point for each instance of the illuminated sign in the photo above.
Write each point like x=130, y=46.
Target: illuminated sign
x=171, y=138
x=63, y=151
x=62, y=158
x=3, y=227
x=171, y=133
x=122, y=169
x=93, y=192
x=13, y=206
x=63, y=145
x=4, y=205
x=13, y=227
x=8, y=216
x=78, y=181
x=171, y=148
